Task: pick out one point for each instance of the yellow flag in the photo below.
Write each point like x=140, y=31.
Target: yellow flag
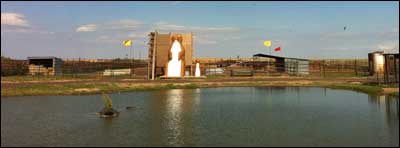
x=127, y=43
x=267, y=43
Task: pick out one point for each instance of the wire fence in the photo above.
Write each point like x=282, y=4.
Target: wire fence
x=78, y=67
x=295, y=67
x=139, y=69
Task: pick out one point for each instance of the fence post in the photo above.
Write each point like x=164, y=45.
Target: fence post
x=74, y=69
x=323, y=67
x=377, y=77
x=215, y=69
x=396, y=71
x=38, y=73
x=355, y=67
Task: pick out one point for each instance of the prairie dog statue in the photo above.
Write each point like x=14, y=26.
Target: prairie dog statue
x=181, y=54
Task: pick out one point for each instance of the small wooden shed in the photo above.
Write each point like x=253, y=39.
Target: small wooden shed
x=45, y=66
x=391, y=67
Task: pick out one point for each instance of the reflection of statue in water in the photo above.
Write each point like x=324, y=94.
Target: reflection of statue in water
x=176, y=58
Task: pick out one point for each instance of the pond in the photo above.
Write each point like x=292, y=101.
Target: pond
x=226, y=116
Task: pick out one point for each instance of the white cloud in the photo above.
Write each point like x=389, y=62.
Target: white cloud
x=166, y=26
x=219, y=29
x=87, y=28
x=25, y=30
x=14, y=19
x=204, y=40
x=125, y=24
x=175, y=2
x=389, y=47
x=142, y=35
x=106, y=39
x=173, y=27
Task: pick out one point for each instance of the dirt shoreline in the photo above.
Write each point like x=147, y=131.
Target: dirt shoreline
x=84, y=87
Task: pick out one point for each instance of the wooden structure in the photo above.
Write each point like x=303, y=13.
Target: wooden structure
x=45, y=66
x=291, y=66
x=391, y=67
x=159, y=48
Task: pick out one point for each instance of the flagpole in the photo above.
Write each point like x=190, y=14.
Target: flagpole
x=133, y=58
x=270, y=50
x=270, y=53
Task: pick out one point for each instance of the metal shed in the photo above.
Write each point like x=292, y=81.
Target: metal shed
x=45, y=65
x=291, y=66
x=391, y=67
x=295, y=66
x=376, y=62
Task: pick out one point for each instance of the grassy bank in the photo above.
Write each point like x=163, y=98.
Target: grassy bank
x=64, y=77
x=110, y=87
x=369, y=89
x=81, y=89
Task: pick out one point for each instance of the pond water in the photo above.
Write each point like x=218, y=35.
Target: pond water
x=227, y=116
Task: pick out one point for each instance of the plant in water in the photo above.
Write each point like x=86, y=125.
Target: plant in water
x=107, y=101
x=108, y=111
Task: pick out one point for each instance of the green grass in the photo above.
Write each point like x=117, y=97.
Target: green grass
x=98, y=87
x=62, y=77
x=370, y=89
x=337, y=74
x=43, y=78
x=216, y=76
x=69, y=89
x=396, y=94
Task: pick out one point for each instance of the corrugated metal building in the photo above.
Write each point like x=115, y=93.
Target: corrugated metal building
x=295, y=66
x=384, y=65
x=45, y=66
x=376, y=62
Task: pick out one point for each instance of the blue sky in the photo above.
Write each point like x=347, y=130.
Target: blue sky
x=221, y=29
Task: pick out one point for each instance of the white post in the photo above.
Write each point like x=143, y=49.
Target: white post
x=154, y=56
x=197, y=72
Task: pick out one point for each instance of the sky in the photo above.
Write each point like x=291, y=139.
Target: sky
x=224, y=29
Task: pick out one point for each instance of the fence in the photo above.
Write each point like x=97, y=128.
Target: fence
x=320, y=68
x=323, y=68
x=78, y=67
x=14, y=67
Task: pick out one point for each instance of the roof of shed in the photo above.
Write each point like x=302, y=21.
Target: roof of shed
x=276, y=57
x=43, y=57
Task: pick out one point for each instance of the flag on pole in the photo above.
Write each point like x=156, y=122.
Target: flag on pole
x=267, y=43
x=127, y=43
x=278, y=49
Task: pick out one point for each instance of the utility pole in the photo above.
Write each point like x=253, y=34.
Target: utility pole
x=133, y=60
x=154, y=56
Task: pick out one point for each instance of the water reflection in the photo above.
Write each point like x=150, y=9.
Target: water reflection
x=389, y=106
x=240, y=116
x=173, y=114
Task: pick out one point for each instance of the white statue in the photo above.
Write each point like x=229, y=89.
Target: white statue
x=197, y=72
x=174, y=65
